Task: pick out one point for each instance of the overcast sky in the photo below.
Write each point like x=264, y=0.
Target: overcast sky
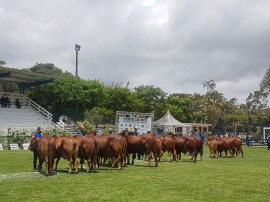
x=174, y=45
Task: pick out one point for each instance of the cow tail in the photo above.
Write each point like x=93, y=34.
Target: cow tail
x=74, y=152
x=156, y=151
x=195, y=150
x=124, y=152
x=96, y=150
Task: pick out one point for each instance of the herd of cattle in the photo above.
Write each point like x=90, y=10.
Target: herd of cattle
x=118, y=148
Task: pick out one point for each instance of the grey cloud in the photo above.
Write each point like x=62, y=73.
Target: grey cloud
x=174, y=45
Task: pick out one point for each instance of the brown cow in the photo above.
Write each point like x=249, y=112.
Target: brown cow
x=45, y=149
x=66, y=147
x=235, y=146
x=199, y=144
x=211, y=142
x=186, y=144
x=111, y=146
x=219, y=144
x=159, y=146
x=143, y=144
x=88, y=150
x=168, y=144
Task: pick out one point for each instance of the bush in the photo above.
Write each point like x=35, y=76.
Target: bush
x=2, y=140
x=17, y=136
x=56, y=131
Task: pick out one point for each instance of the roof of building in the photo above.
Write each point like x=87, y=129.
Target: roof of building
x=23, y=78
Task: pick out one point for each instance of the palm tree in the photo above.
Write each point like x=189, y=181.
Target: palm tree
x=209, y=85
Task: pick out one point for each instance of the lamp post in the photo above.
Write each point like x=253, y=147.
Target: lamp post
x=77, y=48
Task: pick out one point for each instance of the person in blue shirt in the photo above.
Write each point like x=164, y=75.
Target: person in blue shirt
x=136, y=131
x=80, y=130
x=35, y=135
x=200, y=135
x=158, y=132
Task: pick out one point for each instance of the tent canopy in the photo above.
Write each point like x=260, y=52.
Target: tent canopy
x=169, y=120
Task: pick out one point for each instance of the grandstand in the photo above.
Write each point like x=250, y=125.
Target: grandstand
x=28, y=117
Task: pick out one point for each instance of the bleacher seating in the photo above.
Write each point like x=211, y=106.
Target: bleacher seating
x=23, y=118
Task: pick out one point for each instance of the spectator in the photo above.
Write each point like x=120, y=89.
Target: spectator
x=136, y=131
x=110, y=131
x=7, y=102
x=268, y=142
x=80, y=131
x=248, y=141
x=17, y=103
x=3, y=101
x=158, y=132
x=36, y=134
x=200, y=135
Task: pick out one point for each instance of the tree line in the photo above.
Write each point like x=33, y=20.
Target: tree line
x=97, y=103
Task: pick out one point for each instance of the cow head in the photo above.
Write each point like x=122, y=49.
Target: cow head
x=33, y=144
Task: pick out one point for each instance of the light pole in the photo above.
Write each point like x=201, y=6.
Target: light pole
x=77, y=48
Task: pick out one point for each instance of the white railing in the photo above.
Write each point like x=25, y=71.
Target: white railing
x=25, y=101
x=36, y=107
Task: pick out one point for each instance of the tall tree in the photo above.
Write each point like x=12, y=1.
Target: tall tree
x=150, y=95
x=68, y=95
x=2, y=63
x=209, y=85
x=47, y=69
x=118, y=98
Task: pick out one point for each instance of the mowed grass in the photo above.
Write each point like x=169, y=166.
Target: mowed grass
x=219, y=179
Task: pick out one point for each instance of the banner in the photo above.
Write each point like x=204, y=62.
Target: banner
x=130, y=120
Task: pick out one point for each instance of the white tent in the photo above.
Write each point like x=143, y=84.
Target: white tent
x=169, y=123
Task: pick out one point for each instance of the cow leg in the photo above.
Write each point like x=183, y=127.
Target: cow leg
x=75, y=163
x=81, y=162
x=149, y=158
x=120, y=163
x=93, y=162
x=212, y=153
x=47, y=167
x=194, y=156
x=128, y=160
x=70, y=166
x=35, y=160
x=179, y=156
x=123, y=157
x=174, y=155
x=56, y=163
x=201, y=155
x=169, y=156
x=88, y=165
x=133, y=158
x=98, y=161
x=156, y=159
x=40, y=162
x=113, y=161
x=226, y=153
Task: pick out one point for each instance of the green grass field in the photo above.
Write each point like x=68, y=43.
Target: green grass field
x=220, y=179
